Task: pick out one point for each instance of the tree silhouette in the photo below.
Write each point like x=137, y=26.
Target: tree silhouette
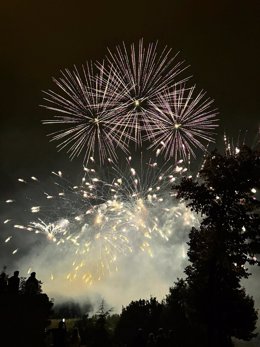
x=101, y=337
x=228, y=239
x=140, y=315
x=175, y=315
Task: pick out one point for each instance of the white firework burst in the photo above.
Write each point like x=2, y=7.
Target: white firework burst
x=181, y=121
x=128, y=100
x=86, y=113
x=142, y=73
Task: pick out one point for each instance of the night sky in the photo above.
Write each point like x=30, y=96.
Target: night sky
x=218, y=39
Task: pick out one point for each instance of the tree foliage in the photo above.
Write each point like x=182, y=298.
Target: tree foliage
x=219, y=251
x=140, y=315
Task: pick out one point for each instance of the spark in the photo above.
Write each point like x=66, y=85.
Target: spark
x=21, y=180
x=7, y=221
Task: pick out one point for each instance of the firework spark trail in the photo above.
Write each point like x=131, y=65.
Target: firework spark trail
x=99, y=221
x=181, y=121
x=87, y=113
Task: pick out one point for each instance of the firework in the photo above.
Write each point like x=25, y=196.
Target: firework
x=142, y=74
x=103, y=111
x=99, y=221
x=181, y=121
x=134, y=97
x=86, y=113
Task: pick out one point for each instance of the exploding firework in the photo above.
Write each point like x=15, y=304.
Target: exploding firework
x=99, y=221
x=181, y=121
x=103, y=111
x=87, y=113
x=142, y=75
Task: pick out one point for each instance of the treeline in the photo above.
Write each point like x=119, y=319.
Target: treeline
x=170, y=322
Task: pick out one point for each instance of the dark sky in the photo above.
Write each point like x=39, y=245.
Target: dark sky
x=218, y=39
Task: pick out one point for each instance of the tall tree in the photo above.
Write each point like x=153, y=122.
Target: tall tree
x=228, y=239
x=101, y=335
